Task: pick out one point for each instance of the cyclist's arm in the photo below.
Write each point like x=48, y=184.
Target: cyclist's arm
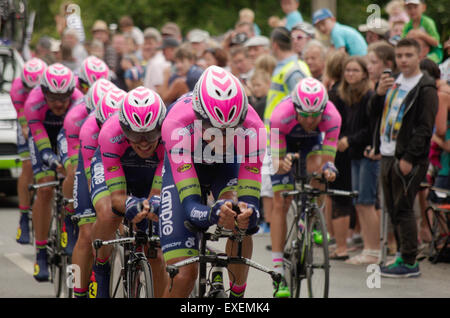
x=88, y=143
x=35, y=111
x=72, y=126
x=18, y=98
x=331, y=126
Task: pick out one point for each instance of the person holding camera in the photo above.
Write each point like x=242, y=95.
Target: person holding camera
x=407, y=105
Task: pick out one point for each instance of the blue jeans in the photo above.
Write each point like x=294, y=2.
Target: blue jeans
x=365, y=174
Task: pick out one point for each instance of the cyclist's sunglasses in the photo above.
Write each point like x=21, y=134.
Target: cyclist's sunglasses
x=83, y=84
x=150, y=137
x=57, y=97
x=307, y=115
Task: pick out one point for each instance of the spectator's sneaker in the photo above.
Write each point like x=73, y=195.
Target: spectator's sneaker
x=263, y=228
x=399, y=269
x=283, y=289
x=41, y=273
x=69, y=235
x=99, y=288
x=23, y=231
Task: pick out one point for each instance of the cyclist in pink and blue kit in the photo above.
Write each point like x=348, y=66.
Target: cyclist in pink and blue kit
x=21, y=87
x=307, y=124
x=127, y=167
x=197, y=158
x=45, y=110
x=82, y=253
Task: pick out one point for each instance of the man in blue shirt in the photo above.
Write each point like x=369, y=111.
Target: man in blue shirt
x=342, y=36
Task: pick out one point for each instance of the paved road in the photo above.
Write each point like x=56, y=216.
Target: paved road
x=347, y=281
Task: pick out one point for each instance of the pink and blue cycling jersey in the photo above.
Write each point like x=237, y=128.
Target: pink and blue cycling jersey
x=72, y=126
x=183, y=138
x=123, y=168
x=285, y=128
x=43, y=123
x=19, y=95
x=89, y=142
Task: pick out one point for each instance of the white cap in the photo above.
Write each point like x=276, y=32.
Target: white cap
x=412, y=1
x=258, y=40
x=197, y=35
x=378, y=26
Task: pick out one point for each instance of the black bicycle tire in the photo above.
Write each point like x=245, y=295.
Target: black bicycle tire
x=141, y=267
x=309, y=260
x=56, y=259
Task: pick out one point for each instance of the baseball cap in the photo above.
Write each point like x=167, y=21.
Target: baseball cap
x=99, y=25
x=197, y=35
x=169, y=42
x=306, y=28
x=170, y=29
x=321, y=14
x=413, y=1
x=378, y=26
x=258, y=40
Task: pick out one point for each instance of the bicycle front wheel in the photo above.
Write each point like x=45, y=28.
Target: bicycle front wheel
x=317, y=258
x=141, y=281
x=56, y=261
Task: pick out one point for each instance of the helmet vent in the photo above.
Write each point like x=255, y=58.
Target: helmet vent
x=219, y=113
x=148, y=118
x=137, y=119
x=231, y=113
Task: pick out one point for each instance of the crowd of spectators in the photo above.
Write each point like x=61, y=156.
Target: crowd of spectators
x=350, y=62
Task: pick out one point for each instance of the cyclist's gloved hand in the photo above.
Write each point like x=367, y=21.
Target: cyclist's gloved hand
x=330, y=171
x=51, y=160
x=222, y=211
x=134, y=213
x=155, y=204
x=249, y=217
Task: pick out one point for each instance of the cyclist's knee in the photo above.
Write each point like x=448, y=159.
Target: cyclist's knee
x=185, y=279
x=85, y=235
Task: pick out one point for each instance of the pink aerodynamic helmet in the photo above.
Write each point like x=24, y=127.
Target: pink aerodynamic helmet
x=309, y=96
x=58, y=79
x=32, y=72
x=142, y=114
x=109, y=104
x=93, y=69
x=219, y=98
x=96, y=93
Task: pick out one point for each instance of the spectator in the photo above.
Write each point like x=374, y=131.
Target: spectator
x=293, y=15
x=355, y=92
x=133, y=72
x=404, y=143
x=199, y=41
x=396, y=11
x=120, y=47
x=257, y=46
x=343, y=37
x=168, y=47
x=70, y=39
x=289, y=70
x=216, y=56
x=187, y=75
x=241, y=65
x=67, y=58
x=396, y=32
x=155, y=60
x=266, y=62
x=423, y=27
x=259, y=87
x=127, y=27
x=445, y=67
x=100, y=32
x=171, y=30
x=380, y=57
x=315, y=54
x=131, y=47
x=242, y=27
x=247, y=15
x=43, y=50
x=340, y=210
x=97, y=49
x=376, y=30
x=301, y=34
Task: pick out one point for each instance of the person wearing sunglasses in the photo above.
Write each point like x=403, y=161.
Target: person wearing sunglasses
x=199, y=154
x=297, y=127
x=45, y=110
x=301, y=34
x=129, y=162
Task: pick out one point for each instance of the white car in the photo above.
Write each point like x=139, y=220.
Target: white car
x=11, y=64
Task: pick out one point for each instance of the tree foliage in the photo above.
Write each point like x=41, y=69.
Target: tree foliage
x=216, y=16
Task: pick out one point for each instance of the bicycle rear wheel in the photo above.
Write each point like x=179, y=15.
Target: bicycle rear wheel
x=317, y=258
x=141, y=281
x=437, y=223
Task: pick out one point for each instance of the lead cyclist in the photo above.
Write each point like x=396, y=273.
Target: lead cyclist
x=198, y=154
